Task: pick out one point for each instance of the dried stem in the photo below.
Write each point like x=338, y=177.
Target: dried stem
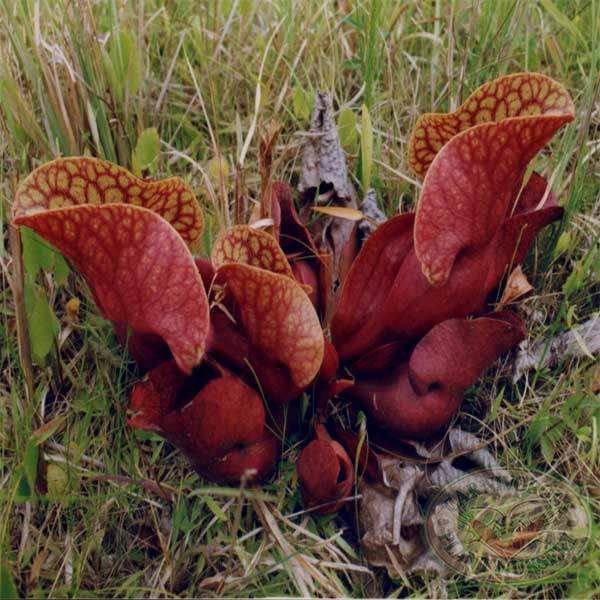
x=267, y=168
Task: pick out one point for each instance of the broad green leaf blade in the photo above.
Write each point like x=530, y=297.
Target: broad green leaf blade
x=347, y=129
x=301, y=105
x=37, y=253
x=147, y=148
x=43, y=328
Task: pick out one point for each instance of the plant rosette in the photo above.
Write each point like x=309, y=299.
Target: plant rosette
x=234, y=337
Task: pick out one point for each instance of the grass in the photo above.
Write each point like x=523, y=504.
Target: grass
x=80, y=77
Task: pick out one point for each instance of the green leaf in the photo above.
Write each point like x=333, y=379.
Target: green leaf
x=24, y=491
x=301, y=105
x=121, y=65
x=43, y=328
x=563, y=21
x=215, y=509
x=30, y=464
x=366, y=148
x=563, y=243
x=8, y=589
x=26, y=473
x=135, y=165
x=37, y=254
x=495, y=406
x=61, y=269
x=352, y=63
x=147, y=148
x=58, y=481
x=347, y=129
x=548, y=449
x=108, y=66
x=130, y=61
x=29, y=294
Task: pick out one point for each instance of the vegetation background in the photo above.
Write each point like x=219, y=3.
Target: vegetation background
x=175, y=86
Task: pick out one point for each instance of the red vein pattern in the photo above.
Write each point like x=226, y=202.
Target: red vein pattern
x=139, y=269
x=254, y=247
x=279, y=319
x=471, y=183
x=517, y=95
x=78, y=180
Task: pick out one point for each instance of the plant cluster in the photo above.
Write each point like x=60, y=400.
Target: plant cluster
x=230, y=341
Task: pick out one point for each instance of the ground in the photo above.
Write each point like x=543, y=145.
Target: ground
x=83, y=77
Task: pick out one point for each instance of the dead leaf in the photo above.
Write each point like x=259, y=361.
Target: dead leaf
x=463, y=442
x=584, y=341
x=403, y=478
x=594, y=377
x=324, y=162
x=48, y=429
x=268, y=139
x=374, y=216
x=516, y=287
x=351, y=214
x=390, y=510
x=36, y=569
x=385, y=543
x=324, y=182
